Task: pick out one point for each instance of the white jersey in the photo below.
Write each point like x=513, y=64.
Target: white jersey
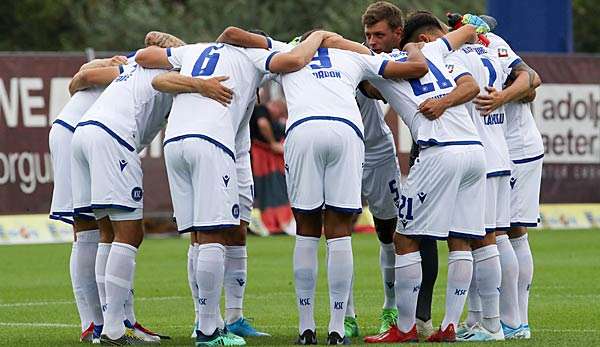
x=379, y=142
x=522, y=135
x=77, y=105
x=482, y=64
x=194, y=115
x=454, y=127
x=129, y=109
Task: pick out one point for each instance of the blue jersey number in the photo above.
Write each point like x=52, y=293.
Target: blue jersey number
x=207, y=61
x=440, y=80
x=322, y=58
x=488, y=64
x=395, y=192
x=408, y=203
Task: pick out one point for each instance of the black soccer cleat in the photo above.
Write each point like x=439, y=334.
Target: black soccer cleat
x=335, y=339
x=308, y=337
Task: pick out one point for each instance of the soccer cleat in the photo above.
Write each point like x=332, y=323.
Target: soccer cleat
x=424, y=329
x=308, y=337
x=88, y=334
x=97, y=334
x=335, y=339
x=513, y=333
x=219, y=338
x=480, y=333
x=194, y=328
x=242, y=328
x=463, y=328
x=526, y=331
x=139, y=327
x=448, y=335
x=351, y=327
x=129, y=338
x=394, y=335
x=388, y=318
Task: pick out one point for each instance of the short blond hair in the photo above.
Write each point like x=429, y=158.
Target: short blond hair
x=163, y=40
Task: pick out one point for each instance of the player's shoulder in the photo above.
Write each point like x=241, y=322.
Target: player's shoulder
x=498, y=46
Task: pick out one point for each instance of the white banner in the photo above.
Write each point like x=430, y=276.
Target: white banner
x=568, y=116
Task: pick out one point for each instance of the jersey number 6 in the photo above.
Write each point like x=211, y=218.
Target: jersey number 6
x=207, y=61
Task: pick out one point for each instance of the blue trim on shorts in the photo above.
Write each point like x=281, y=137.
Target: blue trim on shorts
x=79, y=210
x=343, y=209
x=490, y=230
x=339, y=119
x=110, y=132
x=461, y=75
x=527, y=160
x=498, y=173
x=203, y=137
x=503, y=229
x=62, y=214
x=113, y=206
x=84, y=216
x=522, y=224
x=60, y=218
x=434, y=142
x=314, y=210
x=206, y=228
x=424, y=237
x=459, y=235
x=64, y=124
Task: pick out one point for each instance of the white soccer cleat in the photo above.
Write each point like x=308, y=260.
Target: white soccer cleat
x=424, y=329
x=479, y=333
x=147, y=338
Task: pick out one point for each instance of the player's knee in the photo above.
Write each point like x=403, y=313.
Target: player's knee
x=405, y=244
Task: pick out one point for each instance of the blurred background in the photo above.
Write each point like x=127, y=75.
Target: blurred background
x=43, y=43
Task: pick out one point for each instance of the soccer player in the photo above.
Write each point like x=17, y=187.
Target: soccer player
x=206, y=144
x=86, y=234
x=526, y=151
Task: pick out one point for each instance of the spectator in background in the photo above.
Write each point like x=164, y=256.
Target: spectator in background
x=267, y=131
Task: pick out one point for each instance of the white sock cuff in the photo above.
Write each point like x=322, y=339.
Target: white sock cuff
x=518, y=241
x=486, y=252
x=340, y=244
x=307, y=239
x=236, y=252
x=124, y=249
x=211, y=246
x=459, y=255
x=104, y=248
x=387, y=246
x=501, y=238
x=92, y=236
x=407, y=259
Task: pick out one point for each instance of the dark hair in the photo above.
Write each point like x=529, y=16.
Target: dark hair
x=383, y=10
x=418, y=23
x=259, y=32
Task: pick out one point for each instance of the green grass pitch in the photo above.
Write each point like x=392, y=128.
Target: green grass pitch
x=37, y=307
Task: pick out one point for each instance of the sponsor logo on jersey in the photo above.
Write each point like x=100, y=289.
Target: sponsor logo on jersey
x=404, y=223
x=122, y=164
x=512, y=182
x=422, y=196
x=137, y=193
x=502, y=52
x=226, y=180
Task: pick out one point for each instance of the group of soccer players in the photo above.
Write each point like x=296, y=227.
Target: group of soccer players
x=463, y=95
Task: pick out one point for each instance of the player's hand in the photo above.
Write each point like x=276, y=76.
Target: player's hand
x=118, y=60
x=486, y=104
x=433, y=108
x=329, y=35
x=529, y=97
x=480, y=25
x=212, y=88
x=277, y=148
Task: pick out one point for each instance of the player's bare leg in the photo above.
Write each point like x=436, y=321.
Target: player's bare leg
x=520, y=243
x=308, y=232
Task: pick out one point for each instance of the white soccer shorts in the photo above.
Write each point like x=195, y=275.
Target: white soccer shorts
x=106, y=175
x=323, y=163
x=525, y=193
x=444, y=194
x=497, y=203
x=381, y=187
x=245, y=185
x=59, y=141
x=203, y=184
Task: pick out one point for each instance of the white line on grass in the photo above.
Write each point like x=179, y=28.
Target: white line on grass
x=38, y=325
x=68, y=302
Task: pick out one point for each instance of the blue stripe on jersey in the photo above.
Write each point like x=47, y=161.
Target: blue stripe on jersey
x=121, y=69
x=433, y=142
x=110, y=132
x=131, y=54
x=382, y=67
x=169, y=52
x=113, y=206
x=498, y=173
x=60, y=218
x=203, y=137
x=269, y=43
x=339, y=119
x=515, y=62
x=527, y=160
x=447, y=44
x=461, y=75
x=65, y=124
x=268, y=61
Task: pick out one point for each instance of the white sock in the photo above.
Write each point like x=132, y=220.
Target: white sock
x=82, y=306
x=191, y=271
x=460, y=270
x=236, y=264
x=210, y=271
x=85, y=262
x=305, y=280
x=523, y=252
x=474, y=301
x=509, y=306
x=488, y=277
x=100, y=269
x=387, y=259
x=339, y=277
x=118, y=282
x=128, y=309
x=350, y=304
x=408, y=275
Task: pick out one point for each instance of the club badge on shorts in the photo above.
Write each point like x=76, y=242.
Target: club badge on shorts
x=137, y=194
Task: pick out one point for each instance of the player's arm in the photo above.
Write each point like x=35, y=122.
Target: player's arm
x=370, y=91
x=525, y=81
x=98, y=63
x=339, y=42
x=466, y=89
x=153, y=57
x=415, y=65
x=465, y=34
x=93, y=77
x=297, y=58
x=240, y=37
x=175, y=83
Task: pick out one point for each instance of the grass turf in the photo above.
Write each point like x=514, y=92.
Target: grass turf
x=37, y=307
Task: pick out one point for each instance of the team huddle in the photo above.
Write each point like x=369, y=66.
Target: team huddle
x=463, y=94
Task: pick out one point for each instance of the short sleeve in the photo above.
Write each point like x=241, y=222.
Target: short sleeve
x=280, y=46
x=507, y=57
x=261, y=58
x=175, y=55
x=456, y=65
x=373, y=66
x=440, y=46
